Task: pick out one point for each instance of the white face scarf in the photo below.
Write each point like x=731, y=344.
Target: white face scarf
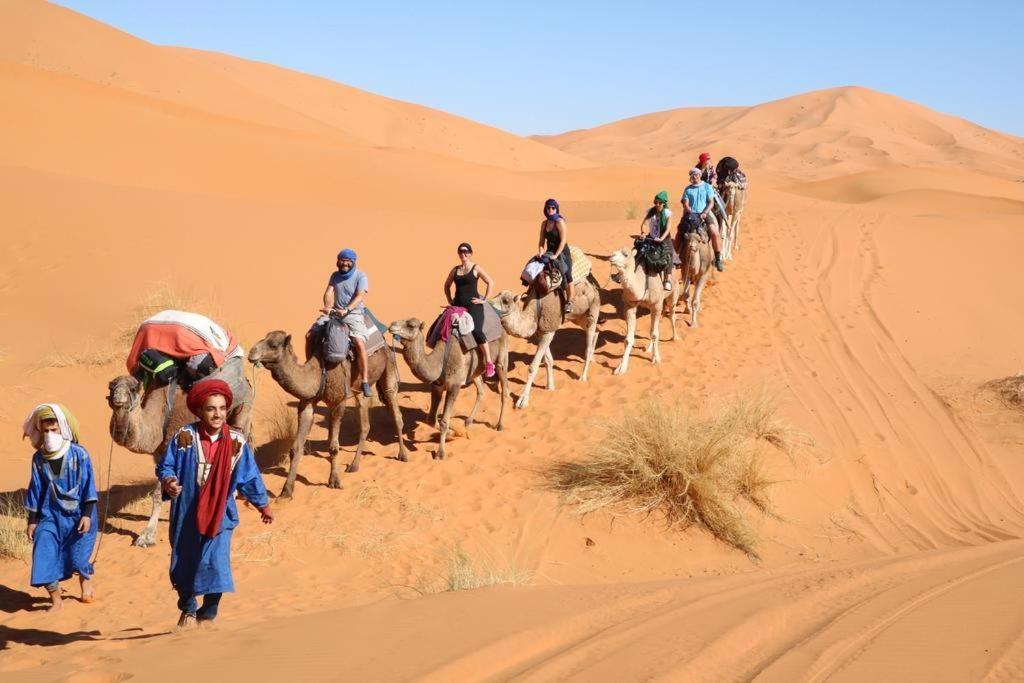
x=52, y=442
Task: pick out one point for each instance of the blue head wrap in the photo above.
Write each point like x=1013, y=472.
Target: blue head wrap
x=550, y=203
x=351, y=256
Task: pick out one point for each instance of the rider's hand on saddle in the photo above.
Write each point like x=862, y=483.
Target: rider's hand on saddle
x=325, y=310
x=479, y=300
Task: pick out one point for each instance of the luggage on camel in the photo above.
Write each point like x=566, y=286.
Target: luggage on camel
x=459, y=325
x=180, y=346
x=726, y=165
x=330, y=338
x=154, y=368
x=580, y=267
x=654, y=256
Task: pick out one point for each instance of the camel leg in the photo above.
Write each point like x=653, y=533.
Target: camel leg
x=549, y=361
x=503, y=381
x=364, y=430
x=389, y=394
x=696, y=297
x=538, y=357
x=305, y=419
x=449, y=407
x=591, y=345
x=630, y=337
x=736, y=231
x=435, y=403
x=656, y=331
x=479, y=384
x=148, y=535
x=333, y=447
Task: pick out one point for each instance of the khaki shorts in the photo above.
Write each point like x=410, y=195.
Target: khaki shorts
x=356, y=324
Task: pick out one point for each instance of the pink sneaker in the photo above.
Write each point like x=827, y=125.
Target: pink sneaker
x=489, y=370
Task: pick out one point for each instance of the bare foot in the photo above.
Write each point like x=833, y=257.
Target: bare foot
x=57, y=602
x=88, y=595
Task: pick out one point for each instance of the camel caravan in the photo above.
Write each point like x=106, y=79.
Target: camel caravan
x=183, y=366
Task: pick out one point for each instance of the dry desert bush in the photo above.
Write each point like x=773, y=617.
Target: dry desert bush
x=281, y=423
x=92, y=352
x=465, y=574
x=14, y=544
x=1010, y=390
x=692, y=470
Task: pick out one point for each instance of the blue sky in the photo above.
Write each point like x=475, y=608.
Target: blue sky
x=546, y=67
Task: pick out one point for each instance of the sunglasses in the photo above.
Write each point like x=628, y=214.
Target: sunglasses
x=465, y=251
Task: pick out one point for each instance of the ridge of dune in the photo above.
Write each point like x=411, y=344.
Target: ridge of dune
x=818, y=134
x=48, y=37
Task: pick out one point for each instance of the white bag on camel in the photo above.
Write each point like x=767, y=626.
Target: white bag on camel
x=532, y=270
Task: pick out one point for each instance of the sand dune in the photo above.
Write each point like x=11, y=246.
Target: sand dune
x=819, y=134
x=875, y=293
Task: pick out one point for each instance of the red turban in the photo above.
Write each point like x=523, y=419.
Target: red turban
x=205, y=389
x=704, y=156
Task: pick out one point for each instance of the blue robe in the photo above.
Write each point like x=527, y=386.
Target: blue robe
x=201, y=565
x=58, y=550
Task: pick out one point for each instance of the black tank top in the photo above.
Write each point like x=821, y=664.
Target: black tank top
x=465, y=289
x=552, y=237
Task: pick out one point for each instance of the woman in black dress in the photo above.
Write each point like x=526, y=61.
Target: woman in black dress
x=465, y=276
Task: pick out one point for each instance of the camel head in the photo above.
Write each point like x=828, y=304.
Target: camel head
x=408, y=329
x=125, y=392
x=620, y=262
x=271, y=348
x=504, y=301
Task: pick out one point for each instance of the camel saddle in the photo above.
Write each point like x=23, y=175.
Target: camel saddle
x=492, y=330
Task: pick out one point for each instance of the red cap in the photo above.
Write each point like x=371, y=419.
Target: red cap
x=704, y=156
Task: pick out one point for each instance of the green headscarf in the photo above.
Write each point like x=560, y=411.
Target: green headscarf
x=662, y=197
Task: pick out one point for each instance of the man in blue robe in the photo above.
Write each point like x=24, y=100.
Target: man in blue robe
x=61, y=503
x=204, y=466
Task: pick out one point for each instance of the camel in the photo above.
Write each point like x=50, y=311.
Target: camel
x=532, y=313
x=639, y=288
x=140, y=422
x=698, y=257
x=734, y=195
x=447, y=368
x=311, y=383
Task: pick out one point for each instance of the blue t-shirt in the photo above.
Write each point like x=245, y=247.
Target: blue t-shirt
x=346, y=290
x=699, y=195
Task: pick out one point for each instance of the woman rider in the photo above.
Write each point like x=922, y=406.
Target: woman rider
x=657, y=223
x=465, y=276
x=554, y=240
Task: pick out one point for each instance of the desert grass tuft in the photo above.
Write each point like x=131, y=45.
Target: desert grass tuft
x=1010, y=390
x=754, y=415
x=661, y=460
x=632, y=211
x=465, y=574
x=92, y=352
x=281, y=423
x=14, y=544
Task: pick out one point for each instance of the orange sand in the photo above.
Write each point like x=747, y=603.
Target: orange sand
x=875, y=291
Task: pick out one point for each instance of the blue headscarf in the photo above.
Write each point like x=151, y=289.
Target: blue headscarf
x=351, y=256
x=549, y=203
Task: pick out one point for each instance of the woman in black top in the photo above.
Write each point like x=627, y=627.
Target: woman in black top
x=465, y=277
x=554, y=240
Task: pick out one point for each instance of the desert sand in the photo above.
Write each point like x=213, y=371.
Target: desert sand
x=876, y=292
